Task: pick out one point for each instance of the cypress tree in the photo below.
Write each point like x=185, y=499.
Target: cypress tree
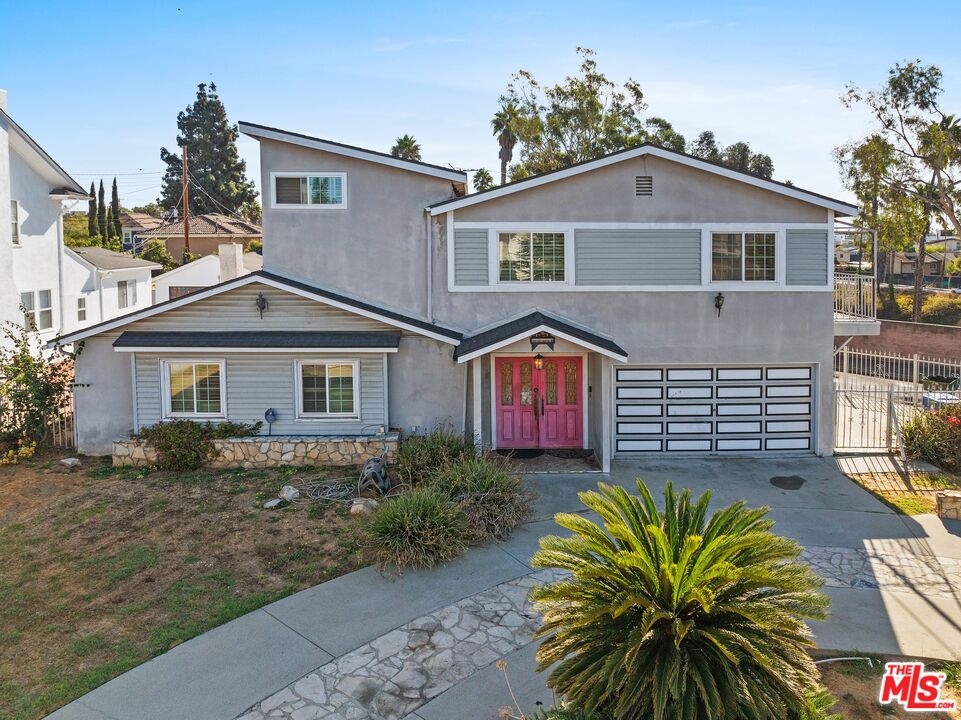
x=115, y=207
x=110, y=224
x=101, y=216
x=92, y=212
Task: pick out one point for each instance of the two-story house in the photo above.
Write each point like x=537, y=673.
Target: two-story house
x=643, y=302
x=33, y=189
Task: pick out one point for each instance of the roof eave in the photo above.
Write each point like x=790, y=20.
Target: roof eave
x=261, y=132
x=808, y=196
x=71, y=184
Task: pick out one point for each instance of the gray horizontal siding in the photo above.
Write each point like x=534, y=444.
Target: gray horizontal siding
x=807, y=257
x=237, y=310
x=637, y=257
x=256, y=382
x=470, y=257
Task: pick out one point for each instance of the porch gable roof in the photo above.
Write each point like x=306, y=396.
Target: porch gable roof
x=536, y=321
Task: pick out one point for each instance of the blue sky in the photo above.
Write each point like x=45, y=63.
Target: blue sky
x=99, y=84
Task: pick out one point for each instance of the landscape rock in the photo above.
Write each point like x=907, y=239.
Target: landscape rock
x=70, y=462
x=289, y=493
x=363, y=506
x=272, y=503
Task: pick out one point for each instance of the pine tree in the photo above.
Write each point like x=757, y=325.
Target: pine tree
x=92, y=212
x=214, y=164
x=101, y=216
x=115, y=228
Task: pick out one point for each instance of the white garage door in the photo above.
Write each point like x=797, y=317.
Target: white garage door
x=713, y=409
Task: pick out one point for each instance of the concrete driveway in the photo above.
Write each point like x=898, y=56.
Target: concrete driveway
x=423, y=646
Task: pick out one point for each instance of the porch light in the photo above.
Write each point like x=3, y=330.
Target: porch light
x=538, y=362
x=719, y=303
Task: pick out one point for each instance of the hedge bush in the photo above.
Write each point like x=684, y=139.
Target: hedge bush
x=935, y=437
x=186, y=445
x=493, y=501
x=421, y=528
x=420, y=456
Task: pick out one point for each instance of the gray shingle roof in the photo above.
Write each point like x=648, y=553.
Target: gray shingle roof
x=109, y=260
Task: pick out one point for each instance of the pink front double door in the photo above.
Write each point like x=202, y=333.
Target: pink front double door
x=539, y=408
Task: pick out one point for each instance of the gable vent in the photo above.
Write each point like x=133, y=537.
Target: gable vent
x=643, y=186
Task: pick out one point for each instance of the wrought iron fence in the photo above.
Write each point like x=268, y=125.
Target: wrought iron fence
x=63, y=432
x=915, y=372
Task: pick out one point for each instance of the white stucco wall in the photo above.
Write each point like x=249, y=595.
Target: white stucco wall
x=202, y=272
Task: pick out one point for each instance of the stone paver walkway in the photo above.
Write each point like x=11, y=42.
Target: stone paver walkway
x=392, y=676
x=896, y=572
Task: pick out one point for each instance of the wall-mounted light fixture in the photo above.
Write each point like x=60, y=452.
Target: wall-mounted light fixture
x=719, y=303
x=261, y=304
x=538, y=361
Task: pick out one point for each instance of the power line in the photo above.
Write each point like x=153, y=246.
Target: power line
x=116, y=174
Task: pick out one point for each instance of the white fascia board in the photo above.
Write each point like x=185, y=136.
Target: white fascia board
x=795, y=193
x=200, y=350
x=317, y=144
x=532, y=331
x=232, y=285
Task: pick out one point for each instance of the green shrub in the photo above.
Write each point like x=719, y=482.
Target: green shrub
x=935, y=437
x=420, y=456
x=941, y=309
x=421, y=528
x=493, y=501
x=677, y=613
x=186, y=445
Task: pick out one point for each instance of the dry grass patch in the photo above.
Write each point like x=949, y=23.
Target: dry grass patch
x=912, y=493
x=104, y=568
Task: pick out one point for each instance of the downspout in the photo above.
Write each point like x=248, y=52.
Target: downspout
x=430, y=267
x=60, y=245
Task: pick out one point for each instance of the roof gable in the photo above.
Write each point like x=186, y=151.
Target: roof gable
x=262, y=131
x=646, y=150
x=335, y=300
x=30, y=150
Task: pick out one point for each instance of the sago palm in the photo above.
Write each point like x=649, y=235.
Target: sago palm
x=406, y=147
x=677, y=615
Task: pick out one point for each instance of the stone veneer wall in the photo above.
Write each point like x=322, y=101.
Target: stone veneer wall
x=263, y=452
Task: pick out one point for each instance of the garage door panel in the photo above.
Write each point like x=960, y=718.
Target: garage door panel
x=737, y=409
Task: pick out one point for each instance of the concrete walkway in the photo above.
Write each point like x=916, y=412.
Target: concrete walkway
x=424, y=645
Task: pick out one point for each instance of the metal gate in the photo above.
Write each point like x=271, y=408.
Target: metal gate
x=870, y=417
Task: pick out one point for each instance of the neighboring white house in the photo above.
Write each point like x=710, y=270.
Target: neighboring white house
x=100, y=284
x=230, y=262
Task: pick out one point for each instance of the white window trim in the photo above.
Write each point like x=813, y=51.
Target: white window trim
x=299, y=389
x=274, y=205
x=35, y=312
x=494, y=266
x=707, y=254
x=168, y=413
x=494, y=227
x=19, y=241
x=82, y=308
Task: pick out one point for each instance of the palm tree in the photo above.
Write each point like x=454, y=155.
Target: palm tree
x=676, y=615
x=483, y=180
x=406, y=147
x=504, y=125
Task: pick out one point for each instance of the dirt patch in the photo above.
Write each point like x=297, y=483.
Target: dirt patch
x=910, y=493
x=856, y=685
x=104, y=568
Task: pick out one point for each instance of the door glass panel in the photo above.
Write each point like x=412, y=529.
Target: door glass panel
x=507, y=384
x=570, y=383
x=527, y=384
x=550, y=381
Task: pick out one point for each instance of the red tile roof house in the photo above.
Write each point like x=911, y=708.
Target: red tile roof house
x=133, y=225
x=207, y=232
x=641, y=303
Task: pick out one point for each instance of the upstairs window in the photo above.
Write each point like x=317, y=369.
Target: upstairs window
x=743, y=257
x=126, y=293
x=328, y=190
x=531, y=257
x=81, y=309
x=15, y=222
x=37, y=309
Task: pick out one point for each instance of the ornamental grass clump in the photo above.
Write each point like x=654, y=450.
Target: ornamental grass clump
x=420, y=456
x=493, y=501
x=674, y=614
x=421, y=528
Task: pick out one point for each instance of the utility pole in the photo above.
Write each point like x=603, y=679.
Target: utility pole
x=186, y=182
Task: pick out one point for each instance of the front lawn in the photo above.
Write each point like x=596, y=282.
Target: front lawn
x=104, y=568
x=909, y=494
